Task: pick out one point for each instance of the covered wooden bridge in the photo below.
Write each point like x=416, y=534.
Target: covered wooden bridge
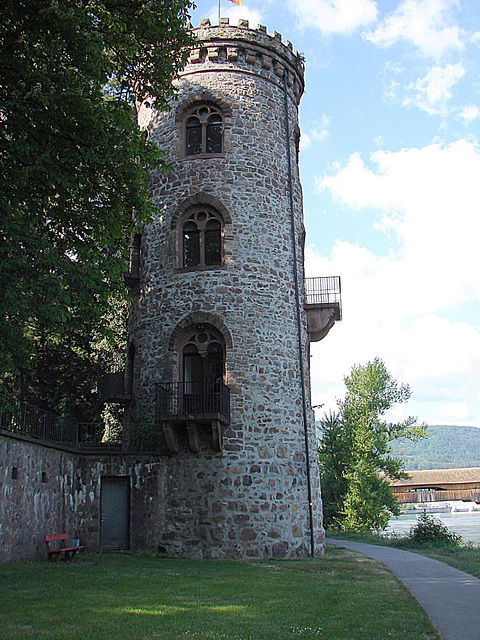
x=437, y=485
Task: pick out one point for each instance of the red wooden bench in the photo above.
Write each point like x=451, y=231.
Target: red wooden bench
x=61, y=546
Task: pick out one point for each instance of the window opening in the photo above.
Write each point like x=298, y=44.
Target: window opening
x=214, y=134
x=202, y=239
x=135, y=254
x=204, y=132
x=191, y=244
x=203, y=357
x=213, y=242
x=194, y=136
x=203, y=368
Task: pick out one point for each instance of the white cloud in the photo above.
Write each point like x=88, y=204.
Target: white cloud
x=318, y=133
x=469, y=113
x=432, y=92
x=334, y=16
x=476, y=38
x=451, y=413
x=399, y=306
x=426, y=24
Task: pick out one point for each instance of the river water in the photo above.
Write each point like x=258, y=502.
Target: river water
x=466, y=524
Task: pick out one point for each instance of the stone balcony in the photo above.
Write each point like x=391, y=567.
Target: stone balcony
x=323, y=304
x=112, y=387
x=194, y=413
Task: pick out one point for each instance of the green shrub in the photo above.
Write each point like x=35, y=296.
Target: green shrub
x=431, y=531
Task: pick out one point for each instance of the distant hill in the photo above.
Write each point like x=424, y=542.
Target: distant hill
x=445, y=448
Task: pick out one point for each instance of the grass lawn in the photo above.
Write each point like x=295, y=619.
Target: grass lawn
x=465, y=558
x=138, y=597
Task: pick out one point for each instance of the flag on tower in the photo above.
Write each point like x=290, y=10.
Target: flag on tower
x=237, y=2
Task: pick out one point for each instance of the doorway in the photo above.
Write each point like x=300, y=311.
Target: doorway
x=203, y=369
x=115, y=512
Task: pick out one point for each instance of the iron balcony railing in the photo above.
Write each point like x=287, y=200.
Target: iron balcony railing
x=21, y=419
x=25, y=420
x=112, y=388
x=324, y=292
x=193, y=400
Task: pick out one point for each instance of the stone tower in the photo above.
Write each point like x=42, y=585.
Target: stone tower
x=218, y=335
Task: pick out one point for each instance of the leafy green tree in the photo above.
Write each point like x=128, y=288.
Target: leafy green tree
x=354, y=451
x=333, y=458
x=111, y=355
x=72, y=157
x=63, y=376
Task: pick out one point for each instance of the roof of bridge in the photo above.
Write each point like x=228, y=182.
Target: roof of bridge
x=432, y=476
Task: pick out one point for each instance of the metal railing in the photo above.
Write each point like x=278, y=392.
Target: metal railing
x=99, y=435
x=111, y=387
x=192, y=399
x=22, y=419
x=324, y=291
x=25, y=420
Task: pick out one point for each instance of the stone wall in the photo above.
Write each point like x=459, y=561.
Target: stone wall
x=37, y=496
x=177, y=504
x=47, y=490
x=250, y=499
x=238, y=506
x=147, y=499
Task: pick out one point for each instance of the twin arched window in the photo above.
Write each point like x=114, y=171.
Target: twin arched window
x=200, y=230
x=202, y=238
x=203, y=131
x=203, y=357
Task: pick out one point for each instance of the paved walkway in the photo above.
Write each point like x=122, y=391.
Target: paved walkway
x=450, y=597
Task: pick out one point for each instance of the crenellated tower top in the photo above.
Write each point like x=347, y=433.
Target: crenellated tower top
x=253, y=51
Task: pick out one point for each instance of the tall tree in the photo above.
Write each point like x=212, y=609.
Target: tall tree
x=333, y=458
x=356, y=445
x=72, y=157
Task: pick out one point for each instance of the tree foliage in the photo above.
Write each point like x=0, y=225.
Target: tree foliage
x=354, y=451
x=71, y=156
x=63, y=376
x=332, y=457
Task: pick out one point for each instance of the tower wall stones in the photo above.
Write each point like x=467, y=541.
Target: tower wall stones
x=250, y=497
x=214, y=485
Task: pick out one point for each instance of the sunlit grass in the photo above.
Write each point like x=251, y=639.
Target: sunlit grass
x=131, y=597
x=465, y=558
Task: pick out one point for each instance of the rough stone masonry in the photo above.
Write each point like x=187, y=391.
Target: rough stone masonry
x=250, y=498
x=236, y=488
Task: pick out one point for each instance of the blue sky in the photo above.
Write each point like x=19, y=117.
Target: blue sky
x=390, y=164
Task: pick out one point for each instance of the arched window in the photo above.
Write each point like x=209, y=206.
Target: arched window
x=201, y=238
x=202, y=367
x=203, y=131
x=203, y=357
x=196, y=403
